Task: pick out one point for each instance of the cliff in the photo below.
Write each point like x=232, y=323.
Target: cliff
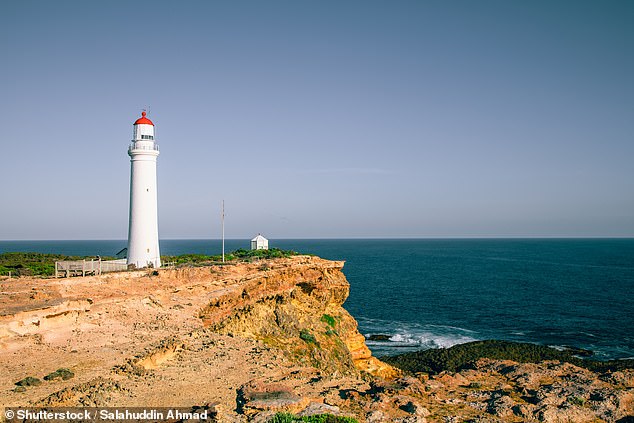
x=251, y=339
x=185, y=337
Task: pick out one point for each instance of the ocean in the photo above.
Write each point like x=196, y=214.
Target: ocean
x=433, y=293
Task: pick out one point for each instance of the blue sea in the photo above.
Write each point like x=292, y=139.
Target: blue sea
x=432, y=293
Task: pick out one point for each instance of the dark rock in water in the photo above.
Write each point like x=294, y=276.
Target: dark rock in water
x=29, y=381
x=379, y=337
x=464, y=355
x=62, y=373
x=580, y=352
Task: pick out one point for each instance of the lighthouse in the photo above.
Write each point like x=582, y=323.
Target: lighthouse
x=143, y=243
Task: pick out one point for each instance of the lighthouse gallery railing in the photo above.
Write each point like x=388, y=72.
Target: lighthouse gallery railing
x=134, y=146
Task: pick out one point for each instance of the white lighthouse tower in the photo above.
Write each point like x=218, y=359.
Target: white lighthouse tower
x=143, y=244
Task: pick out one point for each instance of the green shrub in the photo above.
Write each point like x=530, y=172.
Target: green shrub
x=318, y=418
x=580, y=401
x=283, y=418
x=62, y=373
x=329, y=320
x=308, y=337
x=29, y=381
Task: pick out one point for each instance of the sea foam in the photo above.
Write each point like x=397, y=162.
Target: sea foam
x=404, y=337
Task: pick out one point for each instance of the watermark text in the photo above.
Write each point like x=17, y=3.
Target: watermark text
x=108, y=414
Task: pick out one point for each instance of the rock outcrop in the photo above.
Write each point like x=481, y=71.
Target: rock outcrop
x=298, y=309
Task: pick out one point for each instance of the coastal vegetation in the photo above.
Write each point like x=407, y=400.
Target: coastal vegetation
x=463, y=356
x=234, y=256
x=318, y=418
x=308, y=337
x=33, y=264
x=40, y=264
x=62, y=373
x=329, y=320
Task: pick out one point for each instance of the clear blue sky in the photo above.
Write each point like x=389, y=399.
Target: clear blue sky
x=320, y=118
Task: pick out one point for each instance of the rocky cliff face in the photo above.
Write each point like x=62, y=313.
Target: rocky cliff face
x=298, y=309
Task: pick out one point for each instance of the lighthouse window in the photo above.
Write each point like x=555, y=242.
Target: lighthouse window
x=147, y=137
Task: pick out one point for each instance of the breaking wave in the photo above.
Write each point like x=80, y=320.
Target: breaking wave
x=389, y=338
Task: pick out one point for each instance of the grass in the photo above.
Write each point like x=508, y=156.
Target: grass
x=190, y=258
x=234, y=256
x=329, y=320
x=318, y=418
x=265, y=254
x=39, y=264
x=33, y=264
x=308, y=337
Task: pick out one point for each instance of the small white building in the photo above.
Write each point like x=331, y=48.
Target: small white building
x=259, y=243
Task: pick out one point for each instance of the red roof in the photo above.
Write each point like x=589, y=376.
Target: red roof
x=143, y=120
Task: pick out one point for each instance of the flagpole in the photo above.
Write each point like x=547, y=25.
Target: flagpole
x=223, y=231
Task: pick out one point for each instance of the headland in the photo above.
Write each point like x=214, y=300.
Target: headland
x=253, y=339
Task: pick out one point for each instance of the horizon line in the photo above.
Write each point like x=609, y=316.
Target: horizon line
x=351, y=238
